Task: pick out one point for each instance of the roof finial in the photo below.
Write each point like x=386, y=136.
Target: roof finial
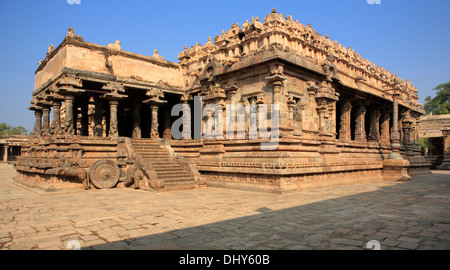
x=274, y=10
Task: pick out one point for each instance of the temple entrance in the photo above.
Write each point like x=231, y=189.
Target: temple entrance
x=134, y=116
x=125, y=119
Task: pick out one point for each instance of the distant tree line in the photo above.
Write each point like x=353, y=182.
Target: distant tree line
x=6, y=129
x=440, y=104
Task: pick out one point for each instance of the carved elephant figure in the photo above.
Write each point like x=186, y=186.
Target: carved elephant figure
x=70, y=168
x=142, y=175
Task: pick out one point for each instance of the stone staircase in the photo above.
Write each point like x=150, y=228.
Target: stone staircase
x=175, y=176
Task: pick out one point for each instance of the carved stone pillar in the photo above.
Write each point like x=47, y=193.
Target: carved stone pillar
x=98, y=117
x=395, y=136
x=253, y=120
x=5, y=153
x=407, y=128
x=56, y=123
x=446, y=162
x=311, y=118
x=291, y=106
x=38, y=125
x=345, y=121
x=113, y=131
x=69, y=125
x=332, y=116
x=154, y=133
x=326, y=98
x=186, y=133
x=407, y=125
x=137, y=119
x=261, y=116
x=374, y=131
x=298, y=117
x=415, y=134
x=230, y=116
x=46, y=120
x=277, y=85
x=360, y=132
x=395, y=166
x=324, y=123
x=385, y=126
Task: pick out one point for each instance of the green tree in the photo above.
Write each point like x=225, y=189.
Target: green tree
x=440, y=104
x=425, y=143
x=6, y=129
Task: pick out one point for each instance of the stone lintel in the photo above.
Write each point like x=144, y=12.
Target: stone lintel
x=327, y=96
x=69, y=90
x=295, y=94
x=276, y=78
x=214, y=96
x=55, y=97
x=114, y=87
x=34, y=108
x=114, y=97
x=70, y=80
x=154, y=101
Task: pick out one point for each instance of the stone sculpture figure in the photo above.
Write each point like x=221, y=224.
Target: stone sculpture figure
x=51, y=48
x=115, y=46
x=66, y=167
x=142, y=175
x=68, y=127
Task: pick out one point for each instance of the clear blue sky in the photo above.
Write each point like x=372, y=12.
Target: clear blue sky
x=411, y=38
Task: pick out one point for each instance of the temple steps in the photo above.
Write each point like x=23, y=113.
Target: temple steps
x=174, y=174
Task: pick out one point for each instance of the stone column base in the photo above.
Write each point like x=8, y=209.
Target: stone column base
x=444, y=166
x=395, y=170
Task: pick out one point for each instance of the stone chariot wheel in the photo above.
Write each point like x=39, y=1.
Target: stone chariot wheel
x=104, y=174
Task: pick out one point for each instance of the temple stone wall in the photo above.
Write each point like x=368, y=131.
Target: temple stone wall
x=96, y=58
x=53, y=68
x=436, y=128
x=64, y=159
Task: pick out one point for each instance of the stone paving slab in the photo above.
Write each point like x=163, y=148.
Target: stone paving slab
x=399, y=215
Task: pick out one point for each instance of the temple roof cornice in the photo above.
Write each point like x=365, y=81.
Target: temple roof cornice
x=282, y=32
x=72, y=39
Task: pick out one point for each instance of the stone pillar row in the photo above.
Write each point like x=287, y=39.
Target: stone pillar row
x=5, y=153
x=380, y=130
x=43, y=125
x=379, y=123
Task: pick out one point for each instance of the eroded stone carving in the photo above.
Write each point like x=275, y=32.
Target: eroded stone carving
x=115, y=46
x=70, y=167
x=142, y=175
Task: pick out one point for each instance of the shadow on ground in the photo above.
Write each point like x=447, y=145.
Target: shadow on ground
x=408, y=215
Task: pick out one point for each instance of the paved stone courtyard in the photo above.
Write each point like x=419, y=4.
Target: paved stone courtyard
x=399, y=215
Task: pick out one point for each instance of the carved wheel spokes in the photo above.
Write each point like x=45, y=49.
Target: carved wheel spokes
x=104, y=174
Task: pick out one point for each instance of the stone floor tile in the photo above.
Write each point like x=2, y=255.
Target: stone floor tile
x=408, y=245
x=400, y=215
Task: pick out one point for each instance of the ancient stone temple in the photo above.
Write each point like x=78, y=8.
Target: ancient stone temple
x=10, y=147
x=271, y=105
x=436, y=130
